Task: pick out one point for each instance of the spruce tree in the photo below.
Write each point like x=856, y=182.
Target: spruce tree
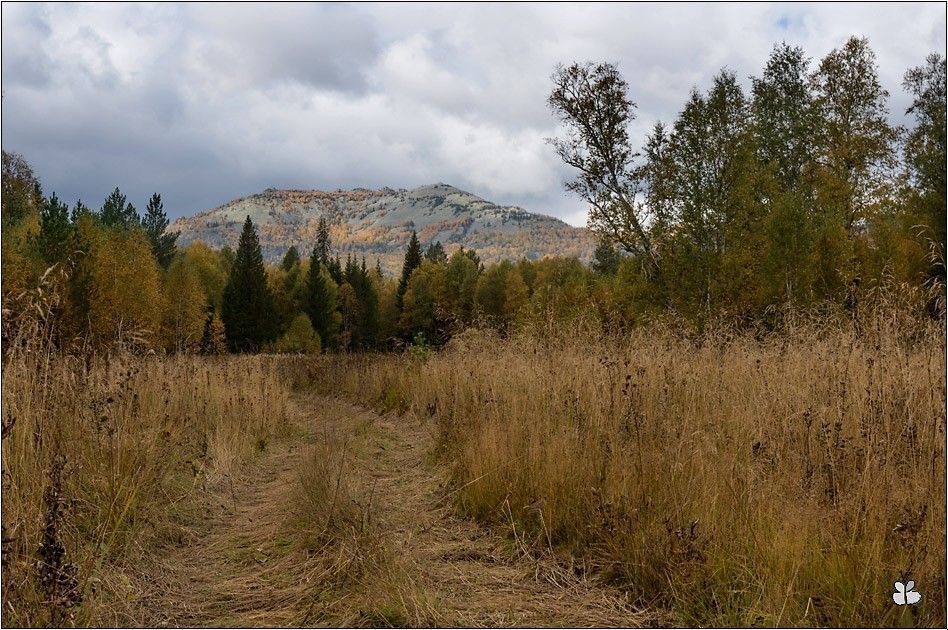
x=334, y=267
x=412, y=261
x=319, y=300
x=248, y=309
x=436, y=254
x=155, y=222
x=290, y=259
x=323, y=247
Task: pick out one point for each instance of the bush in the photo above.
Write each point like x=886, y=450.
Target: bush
x=300, y=338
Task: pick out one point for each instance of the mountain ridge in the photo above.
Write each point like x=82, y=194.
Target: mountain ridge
x=378, y=224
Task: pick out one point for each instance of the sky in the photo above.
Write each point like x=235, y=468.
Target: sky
x=208, y=102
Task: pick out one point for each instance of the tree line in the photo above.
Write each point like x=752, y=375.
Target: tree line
x=798, y=195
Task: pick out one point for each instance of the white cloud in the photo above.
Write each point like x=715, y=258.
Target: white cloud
x=206, y=102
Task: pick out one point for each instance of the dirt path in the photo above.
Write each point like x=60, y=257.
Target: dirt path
x=239, y=565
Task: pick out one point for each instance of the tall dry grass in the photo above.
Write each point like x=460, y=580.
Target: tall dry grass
x=780, y=480
x=355, y=576
x=101, y=453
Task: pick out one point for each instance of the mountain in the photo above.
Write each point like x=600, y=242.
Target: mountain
x=378, y=224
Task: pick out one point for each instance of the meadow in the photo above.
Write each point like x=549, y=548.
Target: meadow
x=736, y=480
x=726, y=478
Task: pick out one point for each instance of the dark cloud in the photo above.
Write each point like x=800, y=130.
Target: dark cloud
x=207, y=102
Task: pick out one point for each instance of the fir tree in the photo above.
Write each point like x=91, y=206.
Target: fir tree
x=319, y=301
x=334, y=267
x=412, y=261
x=290, y=259
x=378, y=268
x=323, y=248
x=436, y=254
x=248, y=309
x=155, y=222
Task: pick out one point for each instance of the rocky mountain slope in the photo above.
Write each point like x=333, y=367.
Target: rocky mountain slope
x=378, y=224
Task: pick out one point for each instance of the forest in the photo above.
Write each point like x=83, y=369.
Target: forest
x=715, y=418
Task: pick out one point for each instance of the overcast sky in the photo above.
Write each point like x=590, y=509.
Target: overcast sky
x=205, y=103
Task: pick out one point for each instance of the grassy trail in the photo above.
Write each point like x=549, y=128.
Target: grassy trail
x=241, y=566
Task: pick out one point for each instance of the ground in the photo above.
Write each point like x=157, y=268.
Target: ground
x=409, y=558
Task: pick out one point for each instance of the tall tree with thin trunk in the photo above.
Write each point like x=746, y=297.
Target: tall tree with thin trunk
x=323, y=248
x=412, y=261
x=925, y=149
x=248, y=310
x=155, y=224
x=592, y=101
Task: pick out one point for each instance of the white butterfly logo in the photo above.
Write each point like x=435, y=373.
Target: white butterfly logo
x=906, y=594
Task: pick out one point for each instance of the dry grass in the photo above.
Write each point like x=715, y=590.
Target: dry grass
x=738, y=481
x=362, y=581
x=101, y=453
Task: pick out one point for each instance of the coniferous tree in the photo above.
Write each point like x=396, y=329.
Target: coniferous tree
x=116, y=212
x=412, y=261
x=323, y=248
x=334, y=267
x=155, y=222
x=81, y=210
x=319, y=300
x=213, y=340
x=436, y=254
x=290, y=259
x=55, y=230
x=378, y=268
x=605, y=258
x=248, y=310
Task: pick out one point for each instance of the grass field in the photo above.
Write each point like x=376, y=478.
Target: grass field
x=723, y=480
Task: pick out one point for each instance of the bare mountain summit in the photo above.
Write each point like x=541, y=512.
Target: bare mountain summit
x=378, y=224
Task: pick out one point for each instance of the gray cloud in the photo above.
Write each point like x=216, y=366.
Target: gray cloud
x=207, y=102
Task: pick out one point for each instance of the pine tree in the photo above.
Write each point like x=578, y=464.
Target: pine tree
x=55, y=230
x=319, y=300
x=605, y=258
x=117, y=213
x=290, y=259
x=155, y=222
x=81, y=210
x=412, y=261
x=323, y=248
x=436, y=254
x=378, y=268
x=248, y=310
